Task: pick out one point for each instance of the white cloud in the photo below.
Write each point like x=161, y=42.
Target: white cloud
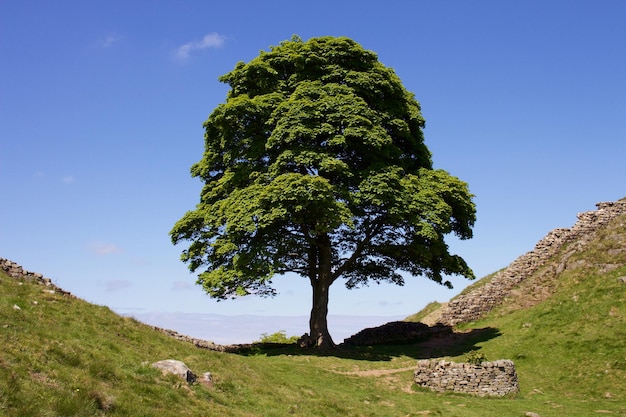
x=212, y=40
x=117, y=284
x=102, y=248
x=109, y=40
x=68, y=179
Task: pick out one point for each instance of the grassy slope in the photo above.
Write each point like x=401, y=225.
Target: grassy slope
x=61, y=357
x=571, y=349
x=428, y=309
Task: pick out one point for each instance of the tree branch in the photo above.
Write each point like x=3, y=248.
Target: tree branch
x=376, y=227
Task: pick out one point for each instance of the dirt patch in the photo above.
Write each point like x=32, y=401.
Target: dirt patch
x=433, y=318
x=375, y=372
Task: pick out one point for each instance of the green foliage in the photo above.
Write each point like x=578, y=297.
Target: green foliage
x=278, y=337
x=475, y=357
x=316, y=165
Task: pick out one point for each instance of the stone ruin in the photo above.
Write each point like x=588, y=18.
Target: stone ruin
x=497, y=378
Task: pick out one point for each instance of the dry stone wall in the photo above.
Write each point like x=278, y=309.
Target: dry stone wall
x=396, y=332
x=473, y=305
x=16, y=271
x=497, y=378
x=200, y=343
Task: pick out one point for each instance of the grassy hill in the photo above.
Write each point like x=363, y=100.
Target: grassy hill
x=61, y=356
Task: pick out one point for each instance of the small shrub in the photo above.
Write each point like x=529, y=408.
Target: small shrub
x=278, y=337
x=475, y=358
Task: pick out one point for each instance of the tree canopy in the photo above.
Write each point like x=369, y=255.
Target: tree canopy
x=316, y=164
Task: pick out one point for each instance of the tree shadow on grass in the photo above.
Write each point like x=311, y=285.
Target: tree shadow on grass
x=450, y=344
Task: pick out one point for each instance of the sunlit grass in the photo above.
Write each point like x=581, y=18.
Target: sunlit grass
x=429, y=308
x=60, y=356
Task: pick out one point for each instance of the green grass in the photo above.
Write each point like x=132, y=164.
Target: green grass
x=60, y=356
x=65, y=357
x=569, y=351
x=429, y=308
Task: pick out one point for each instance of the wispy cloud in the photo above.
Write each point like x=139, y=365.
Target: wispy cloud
x=109, y=40
x=182, y=286
x=102, y=248
x=136, y=261
x=212, y=40
x=386, y=303
x=117, y=284
x=68, y=179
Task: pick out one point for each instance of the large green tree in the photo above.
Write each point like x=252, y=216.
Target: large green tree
x=316, y=165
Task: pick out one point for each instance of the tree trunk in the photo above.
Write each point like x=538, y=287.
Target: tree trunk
x=318, y=323
x=321, y=279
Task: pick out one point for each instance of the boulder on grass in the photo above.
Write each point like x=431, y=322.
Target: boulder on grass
x=172, y=366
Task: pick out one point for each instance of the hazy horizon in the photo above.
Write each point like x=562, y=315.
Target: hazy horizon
x=247, y=328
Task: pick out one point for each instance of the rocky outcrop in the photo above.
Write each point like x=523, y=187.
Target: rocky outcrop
x=476, y=303
x=497, y=378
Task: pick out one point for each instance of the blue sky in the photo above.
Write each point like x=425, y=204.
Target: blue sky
x=102, y=105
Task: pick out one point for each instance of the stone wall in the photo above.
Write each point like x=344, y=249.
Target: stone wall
x=16, y=271
x=473, y=305
x=487, y=379
x=396, y=332
x=200, y=343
